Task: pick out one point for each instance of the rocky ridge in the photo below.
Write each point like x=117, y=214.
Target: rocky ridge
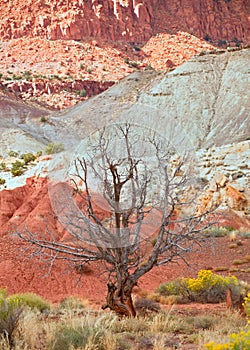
x=126, y=20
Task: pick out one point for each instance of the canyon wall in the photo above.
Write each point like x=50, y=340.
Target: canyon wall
x=124, y=20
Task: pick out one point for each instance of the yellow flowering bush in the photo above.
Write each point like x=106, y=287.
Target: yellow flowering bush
x=246, y=305
x=237, y=341
x=206, y=279
x=207, y=287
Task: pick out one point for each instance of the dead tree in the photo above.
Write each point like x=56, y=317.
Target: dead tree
x=114, y=304
x=151, y=218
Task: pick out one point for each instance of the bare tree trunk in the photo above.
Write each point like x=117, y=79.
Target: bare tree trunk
x=121, y=304
x=113, y=302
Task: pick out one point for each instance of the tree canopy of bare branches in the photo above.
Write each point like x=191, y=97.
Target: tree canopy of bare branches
x=151, y=219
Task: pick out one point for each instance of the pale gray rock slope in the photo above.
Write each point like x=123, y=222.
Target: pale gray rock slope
x=14, y=134
x=202, y=103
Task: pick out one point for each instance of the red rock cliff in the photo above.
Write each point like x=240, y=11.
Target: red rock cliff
x=128, y=20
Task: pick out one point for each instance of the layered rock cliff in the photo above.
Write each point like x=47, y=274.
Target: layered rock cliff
x=126, y=20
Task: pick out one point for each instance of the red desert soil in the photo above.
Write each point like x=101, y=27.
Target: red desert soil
x=22, y=272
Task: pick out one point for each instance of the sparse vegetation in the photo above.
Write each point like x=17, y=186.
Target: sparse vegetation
x=239, y=261
x=237, y=341
x=81, y=93
x=10, y=315
x=222, y=43
x=54, y=148
x=219, y=231
x=3, y=167
x=149, y=67
x=207, y=287
x=207, y=38
x=68, y=337
x=126, y=60
x=2, y=181
x=31, y=300
x=145, y=306
x=133, y=64
x=72, y=303
x=71, y=326
x=28, y=157
x=17, y=168
x=13, y=154
x=43, y=119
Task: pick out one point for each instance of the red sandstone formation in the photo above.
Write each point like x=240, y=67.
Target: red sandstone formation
x=125, y=20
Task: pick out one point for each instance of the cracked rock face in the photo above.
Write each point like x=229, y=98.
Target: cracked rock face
x=130, y=20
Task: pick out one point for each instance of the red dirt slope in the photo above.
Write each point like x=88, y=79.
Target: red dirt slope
x=21, y=271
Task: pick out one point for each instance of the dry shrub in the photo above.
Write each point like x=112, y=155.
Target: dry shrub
x=154, y=296
x=145, y=306
x=238, y=262
x=221, y=269
x=31, y=300
x=233, y=246
x=73, y=303
x=10, y=315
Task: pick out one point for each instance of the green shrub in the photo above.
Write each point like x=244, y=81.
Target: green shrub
x=17, y=168
x=43, y=119
x=175, y=287
x=68, y=337
x=81, y=93
x=54, y=148
x=28, y=157
x=38, y=154
x=134, y=64
x=27, y=75
x=2, y=181
x=207, y=38
x=13, y=154
x=216, y=231
x=3, y=167
x=31, y=300
x=16, y=77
